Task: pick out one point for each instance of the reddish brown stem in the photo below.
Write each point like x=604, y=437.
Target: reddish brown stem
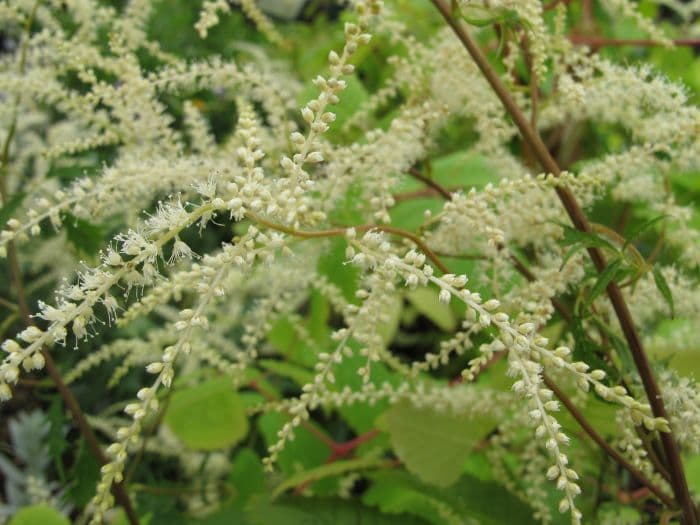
x=600, y=41
x=341, y=450
x=338, y=232
x=610, y=451
x=414, y=172
x=68, y=398
x=532, y=137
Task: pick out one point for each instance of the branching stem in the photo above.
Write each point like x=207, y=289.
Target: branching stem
x=578, y=218
x=337, y=232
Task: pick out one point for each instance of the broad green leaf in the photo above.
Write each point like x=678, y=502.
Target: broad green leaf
x=362, y=416
x=318, y=511
x=40, y=514
x=606, y=276
x=209, y=416
x=409, y=214
x=285, y=339
x=354, y=95
x=319, y=312
x=664, y=289
x=392, y=498
x=463, y=169
x=296, y=373
x=144, y=519
x=247, y=476
x=469, y=500
x=425, y=300
x=87, y=238
x=227, y=515
x=330, y=469
x=434, y=445
x=332, y=264
x=304, y=452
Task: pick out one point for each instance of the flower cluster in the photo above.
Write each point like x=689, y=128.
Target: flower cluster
x=412, y=256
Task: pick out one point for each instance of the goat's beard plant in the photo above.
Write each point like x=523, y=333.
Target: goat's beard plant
x=267, y=276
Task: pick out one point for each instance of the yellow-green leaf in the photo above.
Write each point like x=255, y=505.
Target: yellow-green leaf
x=434, y=445
x=39, y=515
x=209, y=416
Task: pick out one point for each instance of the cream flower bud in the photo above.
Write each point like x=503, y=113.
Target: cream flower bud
x=154, y=368
x=5, y=392
x=333, y=58
x=444, y=297
x=307, y=115
x=314, y=157
x=11, y=346
x=38, y=361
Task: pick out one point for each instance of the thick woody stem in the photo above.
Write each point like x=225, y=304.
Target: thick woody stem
x=532, y=137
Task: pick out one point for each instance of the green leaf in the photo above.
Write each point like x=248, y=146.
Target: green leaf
x=575, y=248
x=485, y=502
x=209, y=416
x=296, y=373
x=305, y=451
x=434, y=445
x=40, y=514
x=144, y=519
x=482, y=17
x=319, y=313
x=354, y=95
x=623, y=351
x=56, y=440
x=362, y=416
x=86, y=473
x=606, y=276
x=409, y=214
x=330, y=469
x=332, y=264
x=425, y=300
x=638, y=230
x=664, y=289
x=587, y=239
x=318, y=511
x=8, y=210
x=87, y=238
x=392, y=498
x=585, y=349
x=227, y=515
x=285, y=339
x=247, y=475
x=464, y=169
